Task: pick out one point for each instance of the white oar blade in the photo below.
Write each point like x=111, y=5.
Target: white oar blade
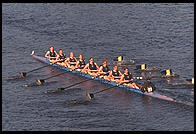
x=33, y=52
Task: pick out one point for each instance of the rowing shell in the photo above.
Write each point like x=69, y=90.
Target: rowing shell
x=152, y=94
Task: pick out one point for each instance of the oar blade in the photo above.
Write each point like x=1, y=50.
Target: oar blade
x=90, y=96
x=33, y=52
x=40, y=82
x=22, y=74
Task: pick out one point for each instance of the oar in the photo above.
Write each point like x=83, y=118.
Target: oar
x=91, y=95
x=60, y=89
x=74, y=84
x=63, y=88
x=119, y=58
x=23, y=74
x=41, y=81
x=142, y=67
x=126, y=63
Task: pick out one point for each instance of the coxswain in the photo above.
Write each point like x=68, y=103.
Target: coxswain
x=115, y=74
x=80, y=63
x=127, y=79
x=71, y=61
x=104, y=70
x=91, y=68
x=51, y=54
x=61, y=57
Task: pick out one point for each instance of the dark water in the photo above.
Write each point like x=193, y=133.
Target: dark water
x=160, y=35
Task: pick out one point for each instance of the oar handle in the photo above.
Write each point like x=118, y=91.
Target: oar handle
x=106, y=89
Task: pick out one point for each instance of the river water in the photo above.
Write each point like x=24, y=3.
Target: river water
x=159, y=35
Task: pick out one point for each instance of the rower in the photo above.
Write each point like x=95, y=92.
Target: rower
x=51, y=54
x=80, y=63
x=61, y=57
x=71, y=61
x=127, y=79
x=91, y=68
x=115, y=74
x=104, y=70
